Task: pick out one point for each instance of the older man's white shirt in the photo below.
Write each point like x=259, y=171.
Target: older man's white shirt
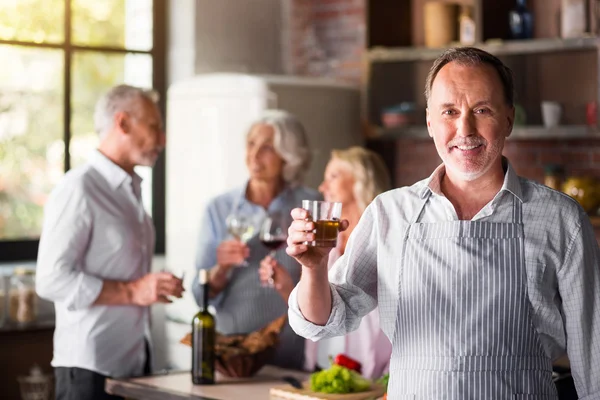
x=95, y=228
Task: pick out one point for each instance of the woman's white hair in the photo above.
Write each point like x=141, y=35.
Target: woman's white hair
x=121, y=98
x=290, y=143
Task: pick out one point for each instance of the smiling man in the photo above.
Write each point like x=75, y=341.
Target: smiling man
x=482, y=277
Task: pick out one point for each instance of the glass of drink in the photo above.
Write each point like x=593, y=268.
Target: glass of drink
x=326, y=216
x=273, y=234
x=241, y=228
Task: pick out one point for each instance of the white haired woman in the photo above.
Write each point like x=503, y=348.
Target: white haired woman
x=277, y=156
x=353, y=177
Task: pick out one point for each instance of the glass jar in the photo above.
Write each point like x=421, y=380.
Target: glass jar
x=23, y=299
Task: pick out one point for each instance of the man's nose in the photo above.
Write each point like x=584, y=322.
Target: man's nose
x=465, y=125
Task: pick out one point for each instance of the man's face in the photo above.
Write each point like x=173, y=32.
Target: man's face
x=468, y=119
x=146, y=136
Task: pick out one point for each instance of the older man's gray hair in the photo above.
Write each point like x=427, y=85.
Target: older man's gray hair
x=290, y=143
x=121, y=98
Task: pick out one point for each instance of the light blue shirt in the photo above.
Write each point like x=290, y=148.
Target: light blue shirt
x=244, y=305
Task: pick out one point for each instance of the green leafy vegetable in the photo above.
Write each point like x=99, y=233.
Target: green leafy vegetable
x=338, y=379
x=383, y=381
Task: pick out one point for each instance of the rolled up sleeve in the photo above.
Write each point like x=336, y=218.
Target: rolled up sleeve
x=579, y=285
x=63, y=243
x=353, y=285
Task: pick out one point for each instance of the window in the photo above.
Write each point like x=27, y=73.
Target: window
x=58, y=57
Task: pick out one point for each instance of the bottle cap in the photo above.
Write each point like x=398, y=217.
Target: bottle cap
x=203, y=277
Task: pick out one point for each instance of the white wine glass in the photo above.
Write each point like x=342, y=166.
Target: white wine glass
x=273, y=235
x=241, y=228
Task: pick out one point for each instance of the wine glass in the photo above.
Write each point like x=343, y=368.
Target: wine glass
x=273, y=234
x=240, y=227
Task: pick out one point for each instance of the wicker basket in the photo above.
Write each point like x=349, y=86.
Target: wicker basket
x=243, y=355
x=243, y=365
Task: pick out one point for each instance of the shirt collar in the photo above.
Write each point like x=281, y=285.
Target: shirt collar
x=511, y=183
x=242, y=194
x=114, y=174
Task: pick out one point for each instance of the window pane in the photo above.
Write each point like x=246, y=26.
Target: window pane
x=32, y=20
x=93, y=74
x=114, y=23
x=31, y=137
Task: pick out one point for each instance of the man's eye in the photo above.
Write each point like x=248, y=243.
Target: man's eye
x=482, y=111
x=448, y=112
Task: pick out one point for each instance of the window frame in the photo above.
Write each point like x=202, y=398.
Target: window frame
x=26, y=250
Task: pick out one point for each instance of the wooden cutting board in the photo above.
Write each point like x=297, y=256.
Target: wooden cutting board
x=291, y=393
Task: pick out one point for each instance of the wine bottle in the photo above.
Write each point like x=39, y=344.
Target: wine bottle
x=203, y=339
x=521, y=21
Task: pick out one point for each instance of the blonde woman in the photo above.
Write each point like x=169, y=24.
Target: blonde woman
x=354, y=177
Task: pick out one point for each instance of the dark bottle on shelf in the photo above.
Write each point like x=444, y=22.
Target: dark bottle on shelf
x=203, y=339
x=521, y=21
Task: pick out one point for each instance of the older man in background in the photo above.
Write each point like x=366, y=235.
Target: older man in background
x=96, y=252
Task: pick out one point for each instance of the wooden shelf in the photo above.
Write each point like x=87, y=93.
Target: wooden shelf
x=519, y=133
x=499, y=48
x=531, y=132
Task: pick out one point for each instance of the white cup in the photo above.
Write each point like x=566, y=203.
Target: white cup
x=551, y=113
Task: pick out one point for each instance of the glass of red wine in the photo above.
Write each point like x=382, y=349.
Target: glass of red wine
x=273, y=234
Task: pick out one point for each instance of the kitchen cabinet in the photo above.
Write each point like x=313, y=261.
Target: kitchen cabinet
x=546, y=68
x=22, y=347
x=395, y=75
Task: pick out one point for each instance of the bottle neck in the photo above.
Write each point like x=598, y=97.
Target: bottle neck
x=522, y=3
x=205, y=289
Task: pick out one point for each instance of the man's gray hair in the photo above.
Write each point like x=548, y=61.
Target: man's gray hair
x=290, y=143
x=121, y=98
x=472, y=56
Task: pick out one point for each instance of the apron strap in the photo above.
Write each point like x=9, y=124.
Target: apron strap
x=517, y=215
x=417, y=217
x=517, y=210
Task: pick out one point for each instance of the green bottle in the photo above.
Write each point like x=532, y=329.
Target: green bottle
x=203, y=339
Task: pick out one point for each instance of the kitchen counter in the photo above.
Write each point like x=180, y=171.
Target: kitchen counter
x=178, y=386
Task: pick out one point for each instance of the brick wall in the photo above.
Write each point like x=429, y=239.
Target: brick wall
x=326, y=38
x=416, y=159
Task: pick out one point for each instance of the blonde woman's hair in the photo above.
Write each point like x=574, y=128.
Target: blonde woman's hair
x=371, y=176
x=290, y=143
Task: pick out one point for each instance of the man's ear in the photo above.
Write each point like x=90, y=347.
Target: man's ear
x=510, y=120
x=428, y=122
x=122, y=122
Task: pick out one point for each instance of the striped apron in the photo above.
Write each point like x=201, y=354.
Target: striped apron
x=465, y=328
